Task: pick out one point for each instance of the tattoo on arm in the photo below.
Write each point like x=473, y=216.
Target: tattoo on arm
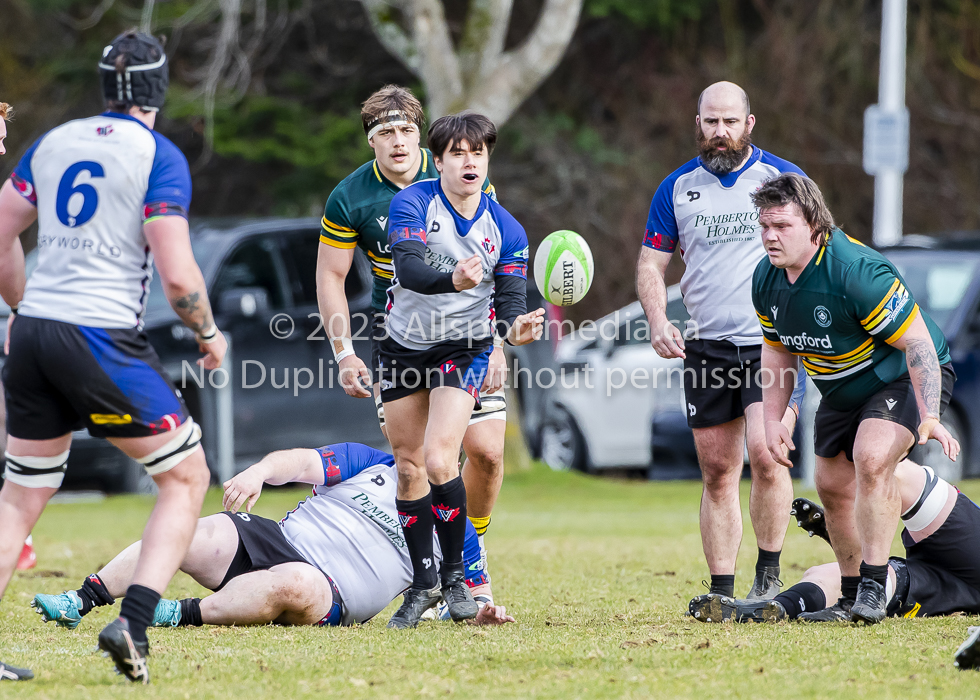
x=194, y=311
x=923, y=364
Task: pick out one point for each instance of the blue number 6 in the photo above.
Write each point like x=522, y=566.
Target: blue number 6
x=67, y=188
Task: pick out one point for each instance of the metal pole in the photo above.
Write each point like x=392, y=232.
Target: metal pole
x=225, y=420
x=891, y=101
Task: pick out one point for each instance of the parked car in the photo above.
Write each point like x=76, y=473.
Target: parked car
x=256, y=271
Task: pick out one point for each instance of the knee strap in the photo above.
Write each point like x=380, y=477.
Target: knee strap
x=185, y=440
x=381, y=410
x=36, y=472
x=930, y=503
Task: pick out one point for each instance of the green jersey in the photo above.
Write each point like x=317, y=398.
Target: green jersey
x=357, y=215
x=840, y=316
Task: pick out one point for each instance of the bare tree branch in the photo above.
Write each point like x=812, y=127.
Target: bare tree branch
x=392, y=36
x=146, y=22
x=226, y=47
x=81, y=25
x=439, y=65
x=483, y=37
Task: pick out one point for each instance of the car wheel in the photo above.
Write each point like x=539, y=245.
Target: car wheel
x=562, y=444
x=931, y=453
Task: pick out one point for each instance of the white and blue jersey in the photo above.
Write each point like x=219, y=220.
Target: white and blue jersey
x=712, y=219
x=349, y=529
x=95, y=182
x=421, y=212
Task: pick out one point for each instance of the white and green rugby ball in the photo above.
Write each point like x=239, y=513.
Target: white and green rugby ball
x=563, y=268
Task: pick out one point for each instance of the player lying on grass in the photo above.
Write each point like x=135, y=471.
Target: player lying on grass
x=338, y=558
x=940, y=574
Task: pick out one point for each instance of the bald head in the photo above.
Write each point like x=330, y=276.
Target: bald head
x=724, y=96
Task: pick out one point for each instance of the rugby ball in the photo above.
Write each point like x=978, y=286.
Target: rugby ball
x=563, y=268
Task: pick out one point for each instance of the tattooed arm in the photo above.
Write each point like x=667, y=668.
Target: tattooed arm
x=183, y=284
x=927, y=381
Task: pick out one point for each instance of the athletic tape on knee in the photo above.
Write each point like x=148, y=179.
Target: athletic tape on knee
x=36, y=472
x=185, y=440
x=929, y=505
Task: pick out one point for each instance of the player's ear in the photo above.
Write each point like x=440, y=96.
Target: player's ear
x=749, y=123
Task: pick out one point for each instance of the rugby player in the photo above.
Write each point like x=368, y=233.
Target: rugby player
x=457, y=255
x=704, y=209
x=110, y=196
x=939, y=574
x=356, y=215
x=881, y=364
x=338, y=558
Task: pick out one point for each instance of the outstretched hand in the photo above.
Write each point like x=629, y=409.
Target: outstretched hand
x=492, y=615
x=527, y=328
x=932, y=428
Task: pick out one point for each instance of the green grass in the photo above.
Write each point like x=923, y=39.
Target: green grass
x=597, y=572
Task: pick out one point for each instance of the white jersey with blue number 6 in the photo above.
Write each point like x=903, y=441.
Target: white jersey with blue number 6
x=95, y=182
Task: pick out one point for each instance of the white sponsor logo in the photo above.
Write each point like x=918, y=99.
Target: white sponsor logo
x=891, y=403
x=383, y=221
x=427, y=563
x=775, y=311
x=691, y=409
x=804, y=342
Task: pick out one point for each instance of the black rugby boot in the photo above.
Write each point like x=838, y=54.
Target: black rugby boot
x=457, y=596
x=129, y=656
x=766, y=585
x=869, y=607
x=712, y=607
x=811, y=518
x=416, y=601
x=838, y=612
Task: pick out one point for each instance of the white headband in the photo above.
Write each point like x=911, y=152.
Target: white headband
x=394, y=118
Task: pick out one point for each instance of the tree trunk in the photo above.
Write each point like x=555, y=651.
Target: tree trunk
x=478, y=74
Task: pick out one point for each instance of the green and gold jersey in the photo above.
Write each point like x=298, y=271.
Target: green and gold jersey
x=357, y=215
x=840, y=316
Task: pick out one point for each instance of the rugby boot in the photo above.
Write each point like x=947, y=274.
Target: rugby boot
x=167, y=613
x=63, y=609
x=414, y=604
x=712, y=607
x=766, y=585
x=838, y=612
x=869, y=606
x=129, y=656
x=12, y=673
x=968, y=655
x=811, y=518
x=457, y=596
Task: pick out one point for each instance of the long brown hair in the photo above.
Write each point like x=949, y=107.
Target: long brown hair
x=790, y=188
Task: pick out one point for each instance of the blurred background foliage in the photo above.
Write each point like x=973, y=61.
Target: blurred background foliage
x=585, y=152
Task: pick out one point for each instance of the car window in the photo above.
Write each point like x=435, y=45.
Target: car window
x=251, y=264
x=300, y=249
x=937, y=286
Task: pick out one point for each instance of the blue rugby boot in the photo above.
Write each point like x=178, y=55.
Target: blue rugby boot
x=63, y=609
x=167, y=613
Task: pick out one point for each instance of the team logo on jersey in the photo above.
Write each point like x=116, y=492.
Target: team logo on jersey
x=896, y=303
x=448, y=367
x=446, y=515
x=382, y=221
x=406, y=520
x=331, y=469
x=775, y=312
x=890, y=403
x=526, y=253
x=104, y=130
x=488, y=245
x=821, y=315
x=694, y=195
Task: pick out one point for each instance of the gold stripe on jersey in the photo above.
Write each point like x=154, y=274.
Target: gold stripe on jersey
x=336, y=229
x=872, y=319
x=337, y=244
x=820, y=254
x=904, y=327
x=837, y=366
x=382, y=267
x=774, y=343
x=766, y=323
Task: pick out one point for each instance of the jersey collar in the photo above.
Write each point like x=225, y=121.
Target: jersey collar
x=729, y=179
x=463, y=226
x=420, y=175
x=127, y=117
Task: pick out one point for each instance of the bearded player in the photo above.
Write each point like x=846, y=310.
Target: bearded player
x=356, y=215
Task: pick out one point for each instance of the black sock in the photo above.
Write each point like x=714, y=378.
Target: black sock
x=190, y=613
x=93, y=594
x=449, y=509
x=137, y=609
x=767, y=558
x=723, y=584
x=875, y=572
x=416, y=520
x=803, y=597
x=849, y=586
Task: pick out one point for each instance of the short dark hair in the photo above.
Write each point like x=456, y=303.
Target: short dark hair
x=449, y=131
x=790, y=188
x=391, y=98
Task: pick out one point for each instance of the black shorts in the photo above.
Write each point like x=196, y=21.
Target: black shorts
x=834, y=431
x=261, y=545
x=60, y=377
x=720, y=381
x=403, y=371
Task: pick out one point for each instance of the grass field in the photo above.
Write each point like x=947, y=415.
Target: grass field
x=597, y=572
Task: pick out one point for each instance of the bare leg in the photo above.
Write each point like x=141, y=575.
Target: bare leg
x=406, y=420
x=836, y=485
x=208, y=557
x=483, y=471
x=827, y=576
x=720, y=456
x=878, y=447
x=449, y=415
x=290, y=594
x=772, y=489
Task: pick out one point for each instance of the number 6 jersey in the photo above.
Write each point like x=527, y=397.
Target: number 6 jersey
x=95, y=182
